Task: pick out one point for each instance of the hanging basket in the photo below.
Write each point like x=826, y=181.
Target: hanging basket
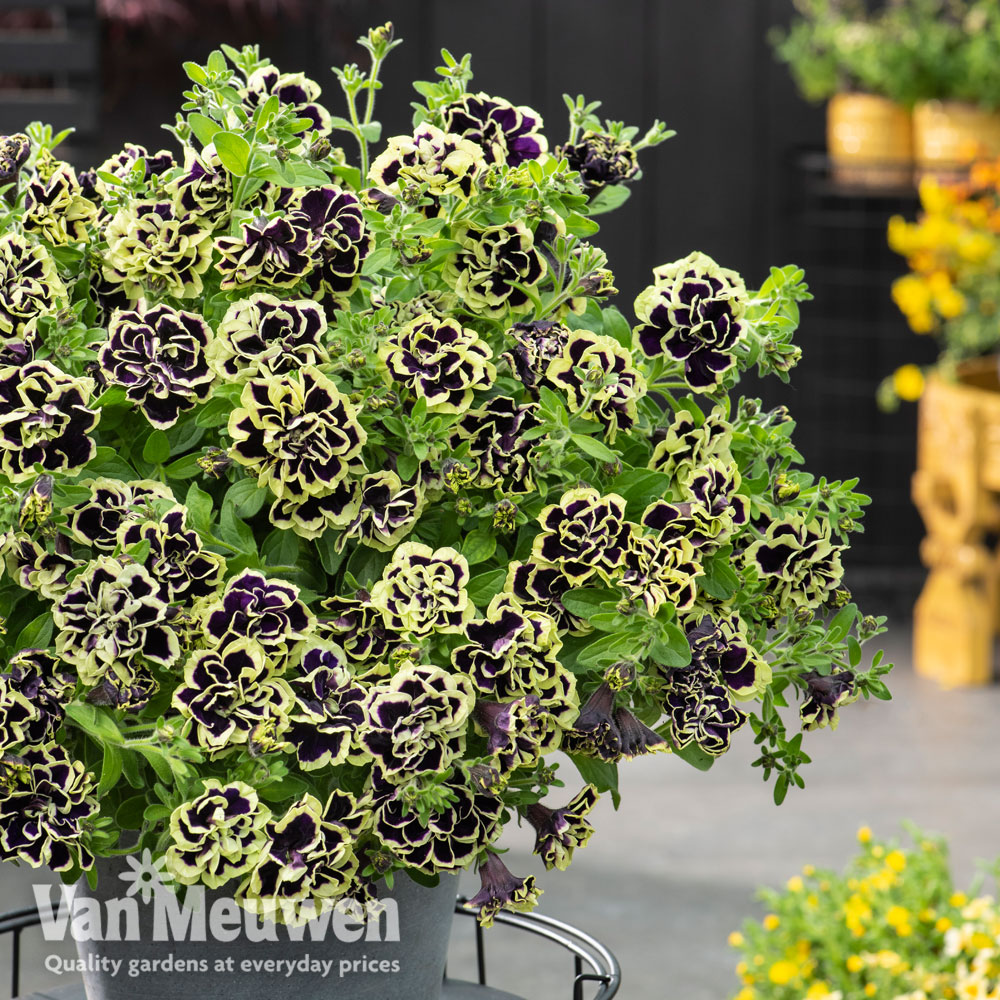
x=869, y=140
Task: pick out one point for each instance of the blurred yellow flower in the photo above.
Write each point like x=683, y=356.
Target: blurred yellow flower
x=855, y=963
x=896, y=860
x=865, y=832
x=736, y=940
x=795, y=884
x=771, y=922
x=870, y=989
x=782, y=972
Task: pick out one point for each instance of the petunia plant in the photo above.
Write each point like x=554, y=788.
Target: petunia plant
x=342, y=513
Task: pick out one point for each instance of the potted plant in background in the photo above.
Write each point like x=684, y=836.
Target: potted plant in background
x=891, y=925
x=953, y=293
x=953, y=47
x=840, y=53
x=337, y=498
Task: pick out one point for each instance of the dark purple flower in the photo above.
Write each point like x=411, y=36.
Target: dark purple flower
x=176, y=560
x=518, y=732
x=112, y=503
x=825, y=693
x=693, y=313
x=387, y=511
x=512, y=652
x=535, y=346
x=448, y=838
x=583, y=534
x=440, y=360
x=30, y=287
x=423, y=590
x=502, y=891
x=308, y=862
x=329, y=713
x=278, y=252
x=228, y=693
x=601, y=160
x=701, y=710
x=720, y=643
x=159, y=358
x=600, y=382
x=416, y=721
x=217, y=836
x=14, y=152
x=44, y=420
x=267, y=611
x=595, y=732
x=490, y=264
x=263, y=335
x=495, y=435
x=34, y=676
x=205, y=189
x=558, y=832
x=343, y=241
x=357, y=627
x=507, y=134
x=310, y=516
x=111, y=619
x=293, y=90
x=297, y=433
x=538, y=587
x=46, y=800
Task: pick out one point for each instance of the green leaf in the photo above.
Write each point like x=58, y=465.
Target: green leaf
x=671, y=648
x=130, y=813
x=156, y=450
x=329, y=558
x=183, y=468
x=199, y=505
x=602, y=774
x=195, y=73
x=485, y=586
x=204, y=128
x=606, y=649
x=586, y=601
x=159, y=764
x=37, y=634
x=612, y=197
x=111, y=771
x=156, y=813
x=594, y=448
x=235, y=531
x=615, y=325
x=694, y=755
x=97, y=724
x=247, y=497
x=640, y=487
x=579, y=225
x=479, y=545
x=234, y=152
x=720, y=580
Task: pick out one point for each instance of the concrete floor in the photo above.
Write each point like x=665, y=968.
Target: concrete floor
x=666, y=879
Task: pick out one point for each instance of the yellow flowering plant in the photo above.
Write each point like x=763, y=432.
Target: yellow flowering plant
x=891, y=926
x=952, y=290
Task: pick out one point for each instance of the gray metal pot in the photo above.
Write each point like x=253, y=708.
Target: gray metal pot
x=371, y=968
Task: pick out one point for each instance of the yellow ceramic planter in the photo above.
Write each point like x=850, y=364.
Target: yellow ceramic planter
x=870, y=140
x=949, y=134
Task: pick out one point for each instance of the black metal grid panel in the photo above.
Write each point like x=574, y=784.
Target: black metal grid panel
x=852, y=336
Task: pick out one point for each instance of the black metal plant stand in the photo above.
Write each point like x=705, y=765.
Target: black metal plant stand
x=593, y=963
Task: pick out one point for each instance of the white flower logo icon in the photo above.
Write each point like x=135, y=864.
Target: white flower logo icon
x=147, y=877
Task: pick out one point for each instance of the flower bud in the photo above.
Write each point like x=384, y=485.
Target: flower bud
x=784, y=489
x=14, y=150
x=505, y=516
x=357, y=359
x=463, y=506
x=320, y=149
x=214, y=462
